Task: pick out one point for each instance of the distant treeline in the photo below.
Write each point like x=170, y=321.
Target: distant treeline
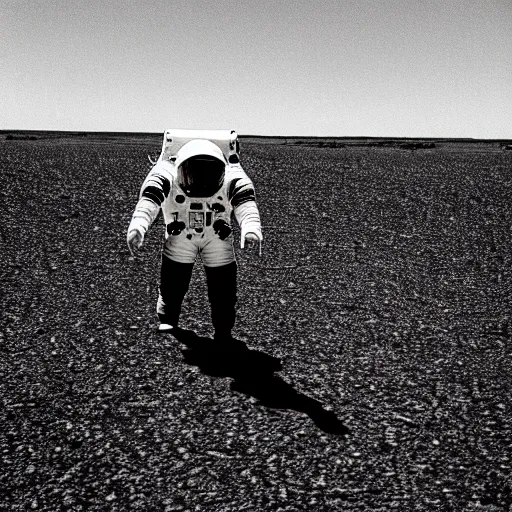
x=10, y=136
x=365, y=143
x=36, y=135
x=398, y=144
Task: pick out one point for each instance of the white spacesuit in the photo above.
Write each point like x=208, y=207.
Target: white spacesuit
x=198, y=183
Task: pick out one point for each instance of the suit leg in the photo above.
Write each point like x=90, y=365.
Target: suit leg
x=174, y=282
x=222, y=296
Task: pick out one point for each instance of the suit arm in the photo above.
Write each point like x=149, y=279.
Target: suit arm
x=154, y=191
x=243, y=199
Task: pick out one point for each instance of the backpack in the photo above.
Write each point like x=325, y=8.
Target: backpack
x=226, y=140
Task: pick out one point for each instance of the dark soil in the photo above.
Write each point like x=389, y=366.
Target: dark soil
x=378, y=322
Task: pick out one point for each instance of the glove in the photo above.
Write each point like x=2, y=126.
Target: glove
x=251, y=236
x=134, y=240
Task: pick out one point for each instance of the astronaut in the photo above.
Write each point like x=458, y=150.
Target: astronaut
x=198, y=183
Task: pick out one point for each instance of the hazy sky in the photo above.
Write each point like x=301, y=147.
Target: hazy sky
x=418, y=68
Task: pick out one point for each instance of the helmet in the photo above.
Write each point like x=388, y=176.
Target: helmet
x=201, y=167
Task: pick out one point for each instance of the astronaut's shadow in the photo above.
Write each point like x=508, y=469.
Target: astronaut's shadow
x=253, y=374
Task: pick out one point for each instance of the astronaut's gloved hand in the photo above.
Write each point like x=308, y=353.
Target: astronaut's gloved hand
x=251, y=238
x=134, y=240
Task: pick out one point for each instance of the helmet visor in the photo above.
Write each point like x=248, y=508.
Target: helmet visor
x=201, y=175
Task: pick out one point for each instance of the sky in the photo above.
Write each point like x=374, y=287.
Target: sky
x=377, y=68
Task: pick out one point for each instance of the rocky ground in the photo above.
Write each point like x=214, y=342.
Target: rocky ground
x=378, y=319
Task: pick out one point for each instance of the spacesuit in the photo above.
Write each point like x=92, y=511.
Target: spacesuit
x=197, y=188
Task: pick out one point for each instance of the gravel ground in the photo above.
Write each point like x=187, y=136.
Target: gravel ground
x=378, y=323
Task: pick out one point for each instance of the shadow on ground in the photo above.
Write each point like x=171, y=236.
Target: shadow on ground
x=254, y=375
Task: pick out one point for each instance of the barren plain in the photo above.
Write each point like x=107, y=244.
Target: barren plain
x=378, y=322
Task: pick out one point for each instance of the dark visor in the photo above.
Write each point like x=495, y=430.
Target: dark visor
x=201, y=176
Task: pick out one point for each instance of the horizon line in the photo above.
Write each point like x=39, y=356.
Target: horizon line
x=258, y=136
